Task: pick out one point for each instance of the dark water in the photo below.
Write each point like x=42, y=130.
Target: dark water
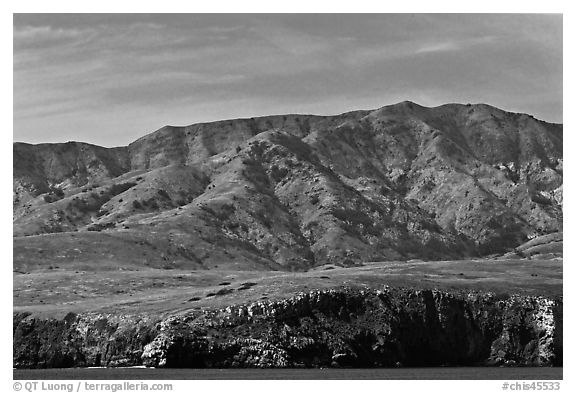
x=453, y=373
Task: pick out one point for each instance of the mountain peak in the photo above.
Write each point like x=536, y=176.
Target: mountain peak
x=409, y=105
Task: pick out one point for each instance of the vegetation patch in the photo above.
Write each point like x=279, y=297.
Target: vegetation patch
x=101, y=227
x=246, y=285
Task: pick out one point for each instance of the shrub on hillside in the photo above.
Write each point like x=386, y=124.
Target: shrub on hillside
x=58, y=192
x=116, y=189
x=163, y=194
x=278, y=173
x=100, y=227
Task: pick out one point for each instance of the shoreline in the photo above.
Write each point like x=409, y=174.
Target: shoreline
x=428, y=373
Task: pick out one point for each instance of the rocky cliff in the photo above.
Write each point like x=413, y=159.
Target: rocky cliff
x=346, y=327
x=295, y=191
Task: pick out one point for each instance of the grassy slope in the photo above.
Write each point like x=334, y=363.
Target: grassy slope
x=158, y=291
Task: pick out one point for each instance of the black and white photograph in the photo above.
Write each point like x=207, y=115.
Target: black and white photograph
x=293, y=196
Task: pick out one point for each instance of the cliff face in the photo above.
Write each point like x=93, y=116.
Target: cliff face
x=294, y=191
x=337, y=328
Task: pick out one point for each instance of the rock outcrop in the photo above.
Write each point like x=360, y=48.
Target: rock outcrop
x=331, y=328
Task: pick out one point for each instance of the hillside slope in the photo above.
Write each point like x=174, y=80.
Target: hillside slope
x=294, y=191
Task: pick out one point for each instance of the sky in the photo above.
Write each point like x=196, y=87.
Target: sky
x=109, y=79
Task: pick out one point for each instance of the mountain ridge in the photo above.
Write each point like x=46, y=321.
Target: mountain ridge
x=405, y=102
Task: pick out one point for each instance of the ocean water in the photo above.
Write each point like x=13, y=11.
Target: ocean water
x=440, y=373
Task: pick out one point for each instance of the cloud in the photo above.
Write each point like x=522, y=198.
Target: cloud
x=47, y=37
x=47, y=32
x=439, y=47
x=454, y=45
x=410, y=48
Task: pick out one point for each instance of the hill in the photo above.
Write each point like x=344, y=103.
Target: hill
x=293, y=192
